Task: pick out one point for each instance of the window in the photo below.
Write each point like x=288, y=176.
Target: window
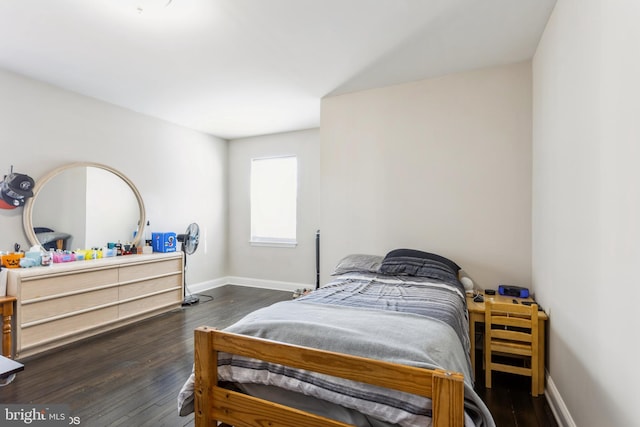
x=274, y=187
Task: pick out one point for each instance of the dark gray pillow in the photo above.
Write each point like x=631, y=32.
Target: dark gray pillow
x=413, y=253
x=358, y=263
x=409, y=262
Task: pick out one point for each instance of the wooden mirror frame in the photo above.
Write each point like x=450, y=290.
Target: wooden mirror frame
x=27, y=215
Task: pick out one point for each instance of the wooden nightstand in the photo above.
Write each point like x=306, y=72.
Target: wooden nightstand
x=476, y=315
x=6, y=311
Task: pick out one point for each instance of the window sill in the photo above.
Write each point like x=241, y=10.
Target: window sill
x=274, y=243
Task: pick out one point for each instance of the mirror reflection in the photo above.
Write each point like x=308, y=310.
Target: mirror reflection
x=84, y=207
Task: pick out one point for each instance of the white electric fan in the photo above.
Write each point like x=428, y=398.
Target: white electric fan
x=189, y=245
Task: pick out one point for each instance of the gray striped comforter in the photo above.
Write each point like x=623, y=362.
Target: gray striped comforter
x=408, y=320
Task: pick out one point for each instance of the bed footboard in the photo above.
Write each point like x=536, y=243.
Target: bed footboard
x=214, y=403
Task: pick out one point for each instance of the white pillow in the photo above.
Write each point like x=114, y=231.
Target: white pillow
x=466, y=281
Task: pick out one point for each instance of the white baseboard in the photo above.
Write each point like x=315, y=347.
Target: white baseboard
x=559, y=409
x=247, y=281
x=206, y=285
x=267, y=284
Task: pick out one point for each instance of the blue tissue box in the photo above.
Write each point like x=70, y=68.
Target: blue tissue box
x=164, y=242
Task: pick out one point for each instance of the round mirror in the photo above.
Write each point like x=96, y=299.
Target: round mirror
x=83, y=205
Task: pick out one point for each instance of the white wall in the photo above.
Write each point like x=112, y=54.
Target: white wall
x=586, y=206
x=270, y=266
x=180, y=173
x=442, y=165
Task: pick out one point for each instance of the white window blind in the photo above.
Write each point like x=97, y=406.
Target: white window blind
x=274, y=187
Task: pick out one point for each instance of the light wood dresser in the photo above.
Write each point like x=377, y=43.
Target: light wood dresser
x=69, y=301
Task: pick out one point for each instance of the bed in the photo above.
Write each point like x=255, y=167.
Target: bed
x=384, y=343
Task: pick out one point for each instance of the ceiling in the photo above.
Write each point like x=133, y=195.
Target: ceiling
x=238, y=68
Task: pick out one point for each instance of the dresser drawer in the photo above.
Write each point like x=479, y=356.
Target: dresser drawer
x=66, y=283
x=133, y=308
x=151, y=269
x=67, y=326
x=146, y=287
x=60, y=306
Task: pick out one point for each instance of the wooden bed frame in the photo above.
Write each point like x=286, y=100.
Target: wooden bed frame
x=215, y=404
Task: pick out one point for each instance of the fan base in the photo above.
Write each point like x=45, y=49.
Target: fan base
x=190, y=300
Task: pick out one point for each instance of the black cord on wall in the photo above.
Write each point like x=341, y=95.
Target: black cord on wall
x=317, y=259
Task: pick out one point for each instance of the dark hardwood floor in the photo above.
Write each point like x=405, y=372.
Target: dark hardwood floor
x=131, y=377
x=510, y=402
